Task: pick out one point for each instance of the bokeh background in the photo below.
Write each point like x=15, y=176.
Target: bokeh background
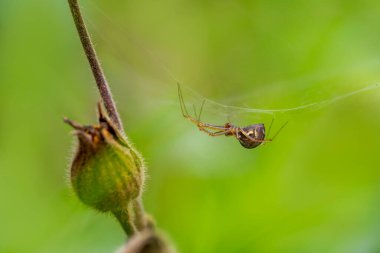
x=315, y=189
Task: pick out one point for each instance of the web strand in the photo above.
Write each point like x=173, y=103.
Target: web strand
x=310, y=106
x=220, y=107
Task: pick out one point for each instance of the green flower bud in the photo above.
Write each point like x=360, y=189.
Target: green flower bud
x=106, y=172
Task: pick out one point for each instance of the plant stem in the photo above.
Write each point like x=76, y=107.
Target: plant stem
x=125, y=220
x=97, y=71
x=138, y=209
x=124, y=216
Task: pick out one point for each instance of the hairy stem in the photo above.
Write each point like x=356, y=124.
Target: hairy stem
x=97, y=71
x=125, y=219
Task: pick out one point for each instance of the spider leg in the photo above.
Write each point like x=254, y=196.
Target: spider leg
x=182, y=103
x=270, y=126
x=220, y=130
x=253, y=139
x=197, y=121
x=218, y=133
x=237, y=133
x=204, y=125
x=279, y=130
x=211, y=127
x=200, y=111
x=195, y=111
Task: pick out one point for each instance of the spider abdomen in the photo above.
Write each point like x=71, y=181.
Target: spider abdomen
x=251, y=136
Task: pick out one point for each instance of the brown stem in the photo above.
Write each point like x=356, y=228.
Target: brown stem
x=97, y=71
x=124, y=216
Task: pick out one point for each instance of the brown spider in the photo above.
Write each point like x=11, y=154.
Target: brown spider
x=249, y=137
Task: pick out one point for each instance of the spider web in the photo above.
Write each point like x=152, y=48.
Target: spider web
x=275, y=119
x=293, y=110
x=229, y=110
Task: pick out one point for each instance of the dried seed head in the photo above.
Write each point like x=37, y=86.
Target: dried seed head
x=106, y=172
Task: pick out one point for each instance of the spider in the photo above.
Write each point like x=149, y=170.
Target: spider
x=249, y=137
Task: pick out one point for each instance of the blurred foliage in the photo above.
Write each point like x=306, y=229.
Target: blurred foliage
x=315, y=189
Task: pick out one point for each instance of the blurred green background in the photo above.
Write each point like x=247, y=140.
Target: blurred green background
x=315, y=189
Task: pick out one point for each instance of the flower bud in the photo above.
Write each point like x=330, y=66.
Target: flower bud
x=106, y=172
